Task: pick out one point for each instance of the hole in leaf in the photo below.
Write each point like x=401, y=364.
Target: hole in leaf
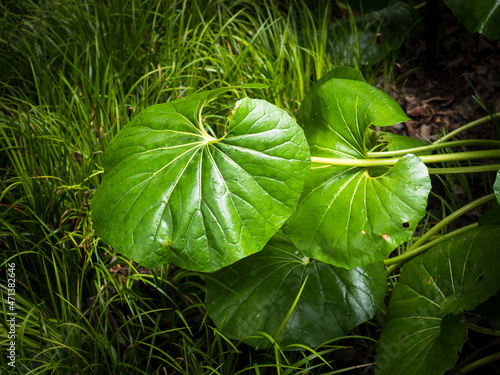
x=216, y=115
x=406, y=225
x=479, y=278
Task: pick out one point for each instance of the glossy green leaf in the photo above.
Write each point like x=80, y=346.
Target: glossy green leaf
x=173, y=193
x=350, y=216
x=256, y=293
x=336, y=113
x=423, y=331
x=482, y=16
x=342, y=72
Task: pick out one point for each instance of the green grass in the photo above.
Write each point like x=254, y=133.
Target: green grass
x=73, y=73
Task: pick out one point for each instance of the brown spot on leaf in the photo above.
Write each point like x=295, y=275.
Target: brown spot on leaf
x=385, y=236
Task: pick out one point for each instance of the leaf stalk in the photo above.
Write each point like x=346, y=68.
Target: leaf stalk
x=414, y=249
x=422, y=249
x=479, y=363
x=432, y=147
x=483, y=330
x=468, y=126
x=473, y=169
x=457, y=156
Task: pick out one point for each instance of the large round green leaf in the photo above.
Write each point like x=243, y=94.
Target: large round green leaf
x=352, y=216
x=173, y=193
x=482, y=16
x=257, y=294
x=423, y=332
x=347, y=218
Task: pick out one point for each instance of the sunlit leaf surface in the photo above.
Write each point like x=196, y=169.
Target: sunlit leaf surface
x=173, y=193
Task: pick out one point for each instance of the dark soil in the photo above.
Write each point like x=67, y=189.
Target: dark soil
x=439, y=94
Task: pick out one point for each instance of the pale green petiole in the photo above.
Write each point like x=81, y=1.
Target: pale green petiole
x=396, y=261
x=432, y=147
x=458, y=156
x=418, y=247
x=468, y=126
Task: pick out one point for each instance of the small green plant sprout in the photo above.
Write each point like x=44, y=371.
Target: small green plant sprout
x=293, y=222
